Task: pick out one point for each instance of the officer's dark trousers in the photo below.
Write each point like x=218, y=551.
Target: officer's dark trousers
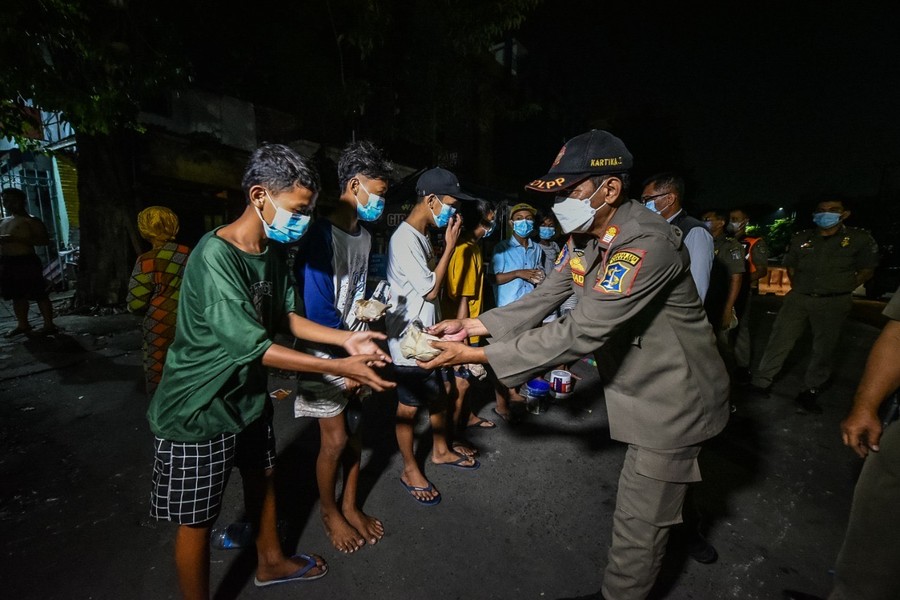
x=868, y=566
x=652, y=486
x=742, y=342
x=825, y=317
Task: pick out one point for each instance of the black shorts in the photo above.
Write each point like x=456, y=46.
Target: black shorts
x=22, y=278
x=190, y=477
x=417, y=386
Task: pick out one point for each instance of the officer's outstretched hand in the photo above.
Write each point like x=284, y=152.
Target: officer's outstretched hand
x=359, y=368
x=455, y=330
x=453, y=353
x=451, y=330
x=861, y=431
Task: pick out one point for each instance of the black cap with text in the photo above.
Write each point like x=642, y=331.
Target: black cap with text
x=596, y=152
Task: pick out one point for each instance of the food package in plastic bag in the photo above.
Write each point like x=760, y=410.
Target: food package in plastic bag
x=370, y=310
x=414, y=343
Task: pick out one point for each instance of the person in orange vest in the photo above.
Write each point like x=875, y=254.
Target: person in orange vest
x=756, y=253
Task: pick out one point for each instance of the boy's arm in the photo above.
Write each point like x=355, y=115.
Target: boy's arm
x=358, y=368
x=450, y=237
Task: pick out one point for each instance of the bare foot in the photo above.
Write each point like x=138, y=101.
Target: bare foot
x=289, y=566
x=343, y=536
x=416, y=479
x=453, y=457
x=464, y=449
x=370, y=527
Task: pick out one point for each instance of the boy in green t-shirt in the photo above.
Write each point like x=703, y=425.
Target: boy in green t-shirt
x=211, y=410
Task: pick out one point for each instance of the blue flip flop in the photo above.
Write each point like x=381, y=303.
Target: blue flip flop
x=458, y=463
x=412, y=488
x=297, y=575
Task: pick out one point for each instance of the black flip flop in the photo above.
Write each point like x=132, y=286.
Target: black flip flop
x=482, y=424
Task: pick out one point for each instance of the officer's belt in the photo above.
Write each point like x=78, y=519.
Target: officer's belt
x=826, y=295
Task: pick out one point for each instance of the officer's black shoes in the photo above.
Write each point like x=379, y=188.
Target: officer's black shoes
x=701, y=550
x=795, y=595
x=807, y=402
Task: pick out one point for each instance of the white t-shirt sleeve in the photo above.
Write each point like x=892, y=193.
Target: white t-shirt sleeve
x=408, y=256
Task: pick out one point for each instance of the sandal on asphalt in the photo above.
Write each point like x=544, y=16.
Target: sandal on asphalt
x=459, y=463
x=481, y=424
x=297, y=575
x=412, y=489
x=509, y=417
x=18, y=331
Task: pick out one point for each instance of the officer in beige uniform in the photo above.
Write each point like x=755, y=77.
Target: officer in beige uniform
x=638, y=312
x=825, y=265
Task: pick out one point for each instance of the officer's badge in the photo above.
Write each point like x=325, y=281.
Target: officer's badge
x=562, y=152
x=611, y=232
x=845, y=242
x=561, y=259
x=577, y=267
x=621, y=271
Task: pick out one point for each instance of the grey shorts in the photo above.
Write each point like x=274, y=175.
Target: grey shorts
x=190, y=477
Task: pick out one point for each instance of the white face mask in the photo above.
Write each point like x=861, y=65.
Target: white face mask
x=735, y=226
x=575, y=215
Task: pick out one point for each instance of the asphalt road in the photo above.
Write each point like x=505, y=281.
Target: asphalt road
x=533, y=522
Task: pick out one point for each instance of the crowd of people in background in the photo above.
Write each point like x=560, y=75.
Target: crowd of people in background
x=653, y=293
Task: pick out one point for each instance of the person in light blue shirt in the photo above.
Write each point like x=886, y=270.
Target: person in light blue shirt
x=663, y=194
x=517, y=261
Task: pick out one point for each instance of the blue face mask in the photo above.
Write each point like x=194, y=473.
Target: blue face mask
x=373, y=208
x=826, y=220
x=523, y=227
x=708, y=225
x=547, y=233
x=651, y=203
x=286, y=227
x=443, y=218
x=490, y=229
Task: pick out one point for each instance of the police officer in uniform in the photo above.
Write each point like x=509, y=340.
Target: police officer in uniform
x=756, y=255
x=638, y=312
x=724, y=283
x=825, y=265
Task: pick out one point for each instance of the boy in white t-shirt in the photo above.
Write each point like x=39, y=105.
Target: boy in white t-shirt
x=331, y=270
x=415, y=283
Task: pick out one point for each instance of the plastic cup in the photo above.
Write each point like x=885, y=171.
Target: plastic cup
x=537, y=393
x=560, y=384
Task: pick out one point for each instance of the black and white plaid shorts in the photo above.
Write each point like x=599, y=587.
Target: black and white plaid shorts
x=190, y=477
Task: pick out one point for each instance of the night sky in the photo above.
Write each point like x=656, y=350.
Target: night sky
x=771, y=103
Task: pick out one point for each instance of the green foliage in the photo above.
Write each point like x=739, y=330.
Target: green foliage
x=777, y=235
x=91, y=61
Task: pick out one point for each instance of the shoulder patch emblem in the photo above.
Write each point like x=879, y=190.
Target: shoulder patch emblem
x=562, y=258
x=621, y=271
x=576, y=265
x=611, y=232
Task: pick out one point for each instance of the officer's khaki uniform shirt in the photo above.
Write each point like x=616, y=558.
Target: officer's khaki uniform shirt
x=639, y=313
x=730, y=254
x=828, y=265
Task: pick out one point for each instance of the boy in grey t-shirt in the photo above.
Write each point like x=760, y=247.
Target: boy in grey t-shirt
x=415, y=283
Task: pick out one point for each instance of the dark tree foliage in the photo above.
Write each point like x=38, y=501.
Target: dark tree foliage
x=416, y=76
